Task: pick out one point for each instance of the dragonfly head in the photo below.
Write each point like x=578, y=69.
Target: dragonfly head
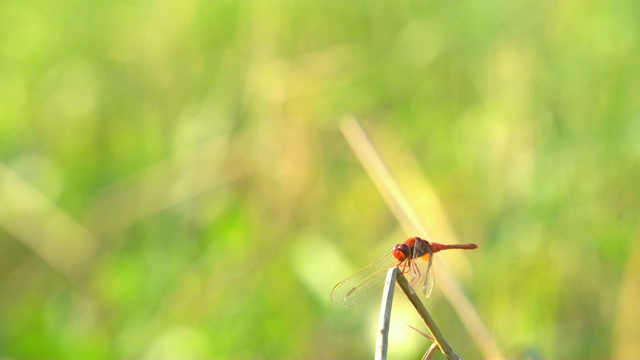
x=401, y=252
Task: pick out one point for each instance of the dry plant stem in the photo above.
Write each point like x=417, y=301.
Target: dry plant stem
x=423, y=333
x=382, y=343
x=43, y=227
x=433, y=349
x=426, y=317
x=431, y=352
x=385, y=318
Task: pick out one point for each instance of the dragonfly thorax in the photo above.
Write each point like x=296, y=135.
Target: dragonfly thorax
x=412, y=248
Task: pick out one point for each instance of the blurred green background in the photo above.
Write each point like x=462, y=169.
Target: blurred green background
x=174, y=183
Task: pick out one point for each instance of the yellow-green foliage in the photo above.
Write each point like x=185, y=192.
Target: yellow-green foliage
x=174, y=184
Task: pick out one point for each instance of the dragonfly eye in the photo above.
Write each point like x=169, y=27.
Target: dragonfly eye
x=401, y=252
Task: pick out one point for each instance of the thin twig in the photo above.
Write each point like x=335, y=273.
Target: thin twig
x=422, y=333
x=433, y=349
x=431, y=352
x=426, y=317
x=385, y=318
x=385, y=314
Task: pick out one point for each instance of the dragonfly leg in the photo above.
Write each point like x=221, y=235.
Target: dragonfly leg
x=403, y=267
x=415, y=273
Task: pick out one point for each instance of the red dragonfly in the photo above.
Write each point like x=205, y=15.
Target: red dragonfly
x=413, y=257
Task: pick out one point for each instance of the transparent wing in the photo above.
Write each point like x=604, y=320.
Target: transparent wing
x=422, y=274
x=362, y=285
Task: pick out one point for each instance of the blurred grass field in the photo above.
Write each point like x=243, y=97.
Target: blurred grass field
x=174, y=183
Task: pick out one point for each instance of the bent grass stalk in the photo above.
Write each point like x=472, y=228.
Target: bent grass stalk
x=385, y=317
